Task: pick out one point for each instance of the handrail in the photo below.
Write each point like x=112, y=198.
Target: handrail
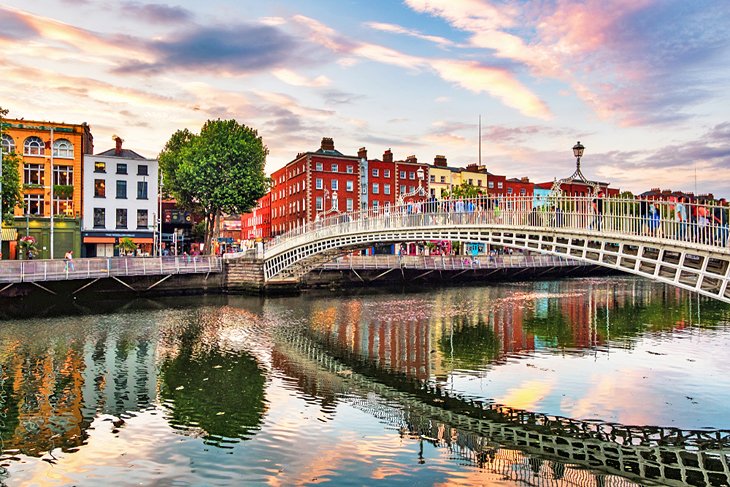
x=90, y=268
x=703, y=225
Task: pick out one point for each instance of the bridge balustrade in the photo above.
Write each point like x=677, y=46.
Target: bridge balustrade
x=59, y=270
x=706, y=224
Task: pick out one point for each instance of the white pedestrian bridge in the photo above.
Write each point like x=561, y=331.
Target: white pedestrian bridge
x=682, y=244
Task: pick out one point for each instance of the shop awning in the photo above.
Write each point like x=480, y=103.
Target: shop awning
x=143, y=240
x=9, y=234
x=99, y=240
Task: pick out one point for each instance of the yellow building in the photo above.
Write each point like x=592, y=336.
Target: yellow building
x=33, y=141
x=476, y=176
x=442, y=178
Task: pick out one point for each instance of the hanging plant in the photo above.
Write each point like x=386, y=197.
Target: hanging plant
x=63, y=191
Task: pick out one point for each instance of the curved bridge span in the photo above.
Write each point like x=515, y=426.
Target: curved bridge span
x=614, y=233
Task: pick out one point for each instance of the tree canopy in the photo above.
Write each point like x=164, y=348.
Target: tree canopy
x=465, y=190
x=220, y=170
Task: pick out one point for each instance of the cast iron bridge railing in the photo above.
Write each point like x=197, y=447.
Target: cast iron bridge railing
x=38, y=271
x=687, y=248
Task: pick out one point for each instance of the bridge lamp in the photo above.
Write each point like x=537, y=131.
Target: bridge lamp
x=421, y=174
x=578, y=151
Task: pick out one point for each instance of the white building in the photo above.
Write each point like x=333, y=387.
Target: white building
x=119, y=200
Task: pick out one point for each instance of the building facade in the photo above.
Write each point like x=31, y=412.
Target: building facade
x=256, y=225
x=50, y=167
x=120, y=201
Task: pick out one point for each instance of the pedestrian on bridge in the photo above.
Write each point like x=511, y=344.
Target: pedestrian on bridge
x=69, y=258
x=597, y=212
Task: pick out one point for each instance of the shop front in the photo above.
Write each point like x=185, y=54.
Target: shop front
x=106, y=244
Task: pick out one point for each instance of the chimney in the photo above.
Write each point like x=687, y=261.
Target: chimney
x=118, y=148
x=412, y=159
x=439, y=161
x=387, y=156
x=328, y=143
x=472, y=167
x=362, y=153
x=524, y=179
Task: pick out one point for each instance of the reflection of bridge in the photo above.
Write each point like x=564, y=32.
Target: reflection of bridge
x=688, y=255
x=477, y=431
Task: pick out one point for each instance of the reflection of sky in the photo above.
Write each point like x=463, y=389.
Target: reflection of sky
x=679, y=380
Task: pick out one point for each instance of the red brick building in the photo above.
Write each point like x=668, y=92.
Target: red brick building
x=314, y=185
x=519, y=187
x=257, y=224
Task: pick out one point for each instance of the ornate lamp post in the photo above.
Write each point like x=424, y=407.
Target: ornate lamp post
x=577, y=176
x=418, y=191
x=578, y=153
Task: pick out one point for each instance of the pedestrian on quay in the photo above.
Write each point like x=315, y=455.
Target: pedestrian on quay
x=69, y=259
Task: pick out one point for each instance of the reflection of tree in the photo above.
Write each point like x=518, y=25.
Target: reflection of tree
x=470, y=343
x=553, y=326
x=220, y=393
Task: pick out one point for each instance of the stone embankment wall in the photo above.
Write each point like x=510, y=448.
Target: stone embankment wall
x=244, y=275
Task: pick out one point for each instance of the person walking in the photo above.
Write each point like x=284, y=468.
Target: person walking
x=69, y=258
x=598, y=212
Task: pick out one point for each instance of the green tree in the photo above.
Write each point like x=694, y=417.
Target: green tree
x=220, y=170
x=11, y=196
x=126, y=245
x=464, y=190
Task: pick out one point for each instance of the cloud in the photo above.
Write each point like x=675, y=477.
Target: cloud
x=290, y=77
x=156, y=12
x=15, y=26
x=234, y=49
x=338, y=97
x=397, y=29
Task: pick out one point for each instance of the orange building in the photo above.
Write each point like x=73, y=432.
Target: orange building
x=33, y=141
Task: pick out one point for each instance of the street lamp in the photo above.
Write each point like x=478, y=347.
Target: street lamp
x=578, y=152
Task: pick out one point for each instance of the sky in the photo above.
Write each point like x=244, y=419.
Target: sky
x=642, y=84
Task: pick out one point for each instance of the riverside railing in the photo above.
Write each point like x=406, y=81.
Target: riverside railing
x=92, y=268
x=447, y=262
x=699, y=223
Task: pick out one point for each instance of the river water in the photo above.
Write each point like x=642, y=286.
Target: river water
x=610, y=381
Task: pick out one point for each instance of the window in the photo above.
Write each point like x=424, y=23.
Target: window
x=500, y=185
x=318, y=203
x=99, y=218
x=386, y=189
x=318, y=184
x=479, y=183
x=334, y=204
x=364, y=189
x=376, y=204
x=402, y=188
x=411, y=175
x=8, y=144
x=376, y=173
x=523, y=191
x=318, y=166
x=63, y=148
x=376, y=188
x=99, y=188
x=432, y=178
x=349, y=170
x=121, y=168
x=490, y=184
x=509, y=190
x=141, y=190
x=121, y=218
x=121, y=190
x=433, y=192
x=471, y=182
x=386, y=173
x=350, y=204
x=142, y=170
x=335, y=185
x=411, y=189
x=402, y=174
x=34, y=204
x=99, y=166
x=142, y=218
x=34, y=146
x=443, y=179
x=350, y=185
x=33, y=173
x=63, y=175
x=334, y=168
x=63, y=206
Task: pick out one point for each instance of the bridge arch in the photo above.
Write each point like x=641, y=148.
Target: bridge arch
x=620, y=244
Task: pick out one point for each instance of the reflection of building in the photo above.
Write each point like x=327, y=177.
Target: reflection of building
x=31, y=141
x=120, y=201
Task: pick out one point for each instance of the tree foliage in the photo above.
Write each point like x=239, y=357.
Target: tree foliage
x=220, y=170
x=465, y=190
x=11, y=195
